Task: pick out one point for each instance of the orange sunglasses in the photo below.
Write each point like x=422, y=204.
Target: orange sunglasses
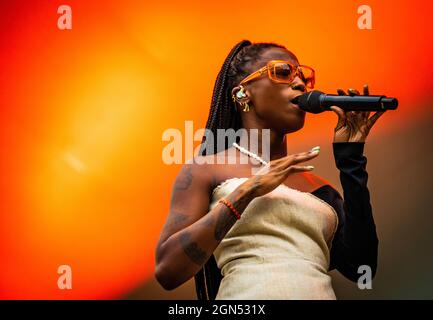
x=282, y=71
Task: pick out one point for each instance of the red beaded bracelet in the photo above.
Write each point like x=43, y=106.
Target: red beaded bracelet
x=231, y=207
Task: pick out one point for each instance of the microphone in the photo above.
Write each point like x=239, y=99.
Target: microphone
x=317, y=102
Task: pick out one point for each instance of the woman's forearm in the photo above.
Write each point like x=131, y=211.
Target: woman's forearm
x=356, y=242
x=184, y=253
x=360, y=227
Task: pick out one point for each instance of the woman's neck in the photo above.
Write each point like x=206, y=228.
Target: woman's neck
x=266, y=143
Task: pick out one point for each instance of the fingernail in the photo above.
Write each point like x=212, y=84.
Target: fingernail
x=309, y=167
x=316, y=149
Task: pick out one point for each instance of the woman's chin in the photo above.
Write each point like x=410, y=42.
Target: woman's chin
x=294, y=124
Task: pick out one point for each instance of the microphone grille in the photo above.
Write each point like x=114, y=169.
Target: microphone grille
x=310, y=101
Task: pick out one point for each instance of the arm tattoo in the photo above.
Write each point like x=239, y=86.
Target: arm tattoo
x=184, y=180
x=174, y=219
x=224, y=222
x=171, y=226
x=192, y=250
x=207, y=221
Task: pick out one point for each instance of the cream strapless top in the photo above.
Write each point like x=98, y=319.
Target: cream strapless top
x=279, y=249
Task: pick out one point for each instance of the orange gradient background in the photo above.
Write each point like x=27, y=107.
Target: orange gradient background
x=83, y=111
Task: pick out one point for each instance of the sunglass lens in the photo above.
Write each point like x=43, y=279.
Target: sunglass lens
x=307, y=76
x=283, y=71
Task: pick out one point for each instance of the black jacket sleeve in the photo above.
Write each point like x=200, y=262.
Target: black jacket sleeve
x=355, y=242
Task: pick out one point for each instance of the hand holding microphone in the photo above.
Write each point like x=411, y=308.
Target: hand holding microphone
x=317, y=102
x=353, y=111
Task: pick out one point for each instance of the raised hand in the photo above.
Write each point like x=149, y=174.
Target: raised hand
x=354, y=126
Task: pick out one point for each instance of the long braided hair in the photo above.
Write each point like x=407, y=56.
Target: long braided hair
x=224, y=115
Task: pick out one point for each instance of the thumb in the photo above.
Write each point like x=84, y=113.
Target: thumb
x=340, y=113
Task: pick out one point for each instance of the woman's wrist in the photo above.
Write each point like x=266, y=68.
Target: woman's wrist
x=241, y=197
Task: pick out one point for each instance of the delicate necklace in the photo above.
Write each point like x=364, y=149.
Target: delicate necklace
x=249, y=153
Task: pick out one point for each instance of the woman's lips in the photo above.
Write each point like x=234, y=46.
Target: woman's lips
x=295, y=106
x=295, y=100
x=294, y=103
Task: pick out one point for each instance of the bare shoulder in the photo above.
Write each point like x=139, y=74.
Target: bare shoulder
x=189, y=198
x=213, y=167
x=196, y=169
x=209, y=161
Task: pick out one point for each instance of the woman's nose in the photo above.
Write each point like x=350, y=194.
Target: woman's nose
x=298, y=84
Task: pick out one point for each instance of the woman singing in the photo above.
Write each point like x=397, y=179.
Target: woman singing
x=277, y=232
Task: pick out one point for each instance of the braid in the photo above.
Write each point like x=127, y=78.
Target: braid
x=222, y=112
x=223, y=115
